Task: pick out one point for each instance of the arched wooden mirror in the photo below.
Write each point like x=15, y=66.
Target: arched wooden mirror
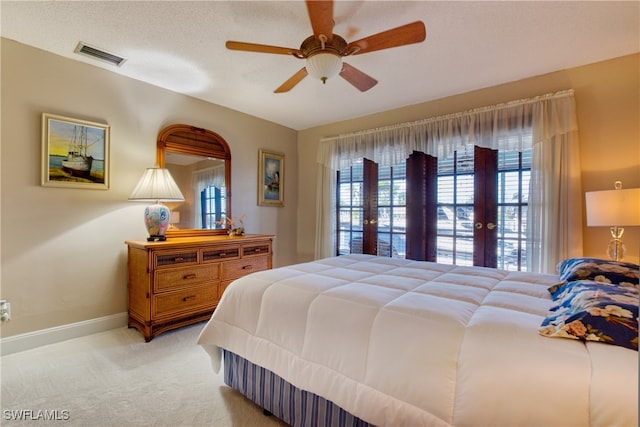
x=200, y=162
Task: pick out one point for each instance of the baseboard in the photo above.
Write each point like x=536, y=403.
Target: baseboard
x=22, y=342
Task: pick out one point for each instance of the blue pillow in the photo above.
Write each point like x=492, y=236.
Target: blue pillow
x=599, y=270
x=594, y=311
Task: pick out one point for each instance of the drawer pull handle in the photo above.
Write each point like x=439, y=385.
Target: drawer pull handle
x=256, y=250
x=190, y=297
x=223, y=254
x=247, y=267
x=178, y=259
x=189, y=276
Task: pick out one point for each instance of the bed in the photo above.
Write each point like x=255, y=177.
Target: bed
x=365, y=340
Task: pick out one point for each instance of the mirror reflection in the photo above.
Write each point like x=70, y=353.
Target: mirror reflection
x=202, y=182
x=200, y=162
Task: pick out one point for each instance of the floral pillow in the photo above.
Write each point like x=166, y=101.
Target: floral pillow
x=594, y=311
x=599, y=270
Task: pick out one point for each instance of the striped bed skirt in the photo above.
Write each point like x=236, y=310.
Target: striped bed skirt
x=295, y=407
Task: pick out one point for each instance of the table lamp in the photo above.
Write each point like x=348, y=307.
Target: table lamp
x=157, y=185
x=614, y=208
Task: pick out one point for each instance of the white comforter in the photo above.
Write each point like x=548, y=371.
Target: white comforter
x=407, y=343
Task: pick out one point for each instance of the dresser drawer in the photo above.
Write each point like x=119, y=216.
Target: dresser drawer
x=255, y=250
x=180, y=277
x=218, y=254
x=196, y=298
x=171, y=259
x=235, y=269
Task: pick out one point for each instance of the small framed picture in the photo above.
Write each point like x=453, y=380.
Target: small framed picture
x=75, y=153
x=270, y=178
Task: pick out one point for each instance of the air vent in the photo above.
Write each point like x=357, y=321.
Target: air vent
x=99, y=54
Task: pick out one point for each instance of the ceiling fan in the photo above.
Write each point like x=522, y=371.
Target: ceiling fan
x=323, y=51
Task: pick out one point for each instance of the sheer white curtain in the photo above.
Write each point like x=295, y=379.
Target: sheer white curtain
x=201, y=179
x=557, y=200
x=555, y=195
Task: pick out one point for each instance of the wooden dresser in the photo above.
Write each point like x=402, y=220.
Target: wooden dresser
x=180, y=281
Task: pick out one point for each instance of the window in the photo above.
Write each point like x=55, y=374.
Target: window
x=553, y=232
x=350, y=209
x=477, y=217
x=372, y=209
x=482, y=208
x=514, y=173
x=455, y=209
x=392, y=211
x=212, y=200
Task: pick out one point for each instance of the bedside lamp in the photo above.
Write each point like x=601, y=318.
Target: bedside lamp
x=614, y=208
x=157, y=185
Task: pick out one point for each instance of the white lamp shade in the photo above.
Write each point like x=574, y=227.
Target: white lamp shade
x=324, y=65
x=157, y=185
x=613, y=208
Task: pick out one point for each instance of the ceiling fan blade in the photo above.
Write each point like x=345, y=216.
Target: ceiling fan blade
x=262, y=48
x=293, y=80
x=360, y=80
x=321, y=17
x=400, y=36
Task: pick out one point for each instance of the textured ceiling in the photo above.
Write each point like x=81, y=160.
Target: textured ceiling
x=179, y=45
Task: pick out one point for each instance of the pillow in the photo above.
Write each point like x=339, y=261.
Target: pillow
x=599, y=270
x=594, y=311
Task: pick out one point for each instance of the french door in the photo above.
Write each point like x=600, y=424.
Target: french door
x=467, y=209
x=372, y=210
x=482, y=198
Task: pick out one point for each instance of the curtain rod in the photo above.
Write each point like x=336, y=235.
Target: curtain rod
x=510, y=104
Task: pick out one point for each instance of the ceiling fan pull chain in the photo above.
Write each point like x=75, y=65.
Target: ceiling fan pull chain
x=323, y=40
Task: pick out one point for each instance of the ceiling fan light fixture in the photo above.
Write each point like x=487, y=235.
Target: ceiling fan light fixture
x=324, y=65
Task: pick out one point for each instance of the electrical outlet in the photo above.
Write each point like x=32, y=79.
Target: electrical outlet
x=5, y=311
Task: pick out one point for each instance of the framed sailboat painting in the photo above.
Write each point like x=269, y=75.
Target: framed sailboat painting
x=75, y=153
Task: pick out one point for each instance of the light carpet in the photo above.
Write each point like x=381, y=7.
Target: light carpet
x=114, y=379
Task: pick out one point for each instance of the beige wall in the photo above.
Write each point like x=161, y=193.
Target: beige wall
x=62, y=250
x=607, y=97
